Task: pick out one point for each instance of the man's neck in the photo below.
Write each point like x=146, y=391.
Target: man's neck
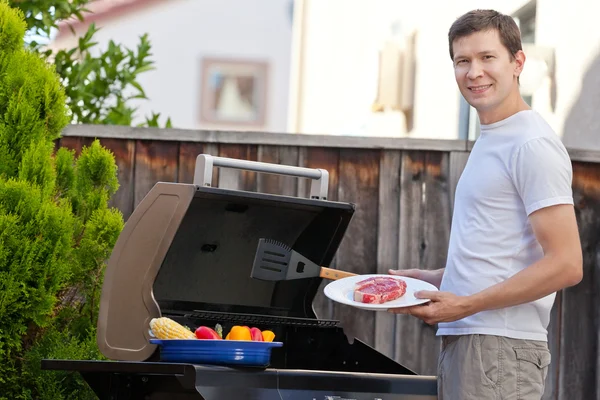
x=511, y=106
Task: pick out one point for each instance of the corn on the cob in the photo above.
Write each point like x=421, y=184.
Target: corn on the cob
x=166, y=328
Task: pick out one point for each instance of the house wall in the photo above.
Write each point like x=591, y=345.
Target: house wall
x=181, y=32
x=571, y=28
x=339, y=56
x=340, y=66
x=324, y=65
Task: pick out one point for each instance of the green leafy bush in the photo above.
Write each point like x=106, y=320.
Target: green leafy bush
x=56, y=229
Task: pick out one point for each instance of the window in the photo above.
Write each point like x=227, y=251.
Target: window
x=526, y=18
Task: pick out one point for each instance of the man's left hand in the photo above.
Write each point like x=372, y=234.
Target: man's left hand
x=443, y=307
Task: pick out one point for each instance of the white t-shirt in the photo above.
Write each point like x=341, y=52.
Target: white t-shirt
x=517, y=166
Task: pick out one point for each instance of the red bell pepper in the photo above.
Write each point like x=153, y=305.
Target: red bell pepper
x=204, y=332
x=256, y=335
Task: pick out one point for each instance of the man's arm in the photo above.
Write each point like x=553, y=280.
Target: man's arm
x=562, y=265
x=556, y=230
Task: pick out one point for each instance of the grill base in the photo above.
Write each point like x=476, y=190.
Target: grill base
x=167, y=381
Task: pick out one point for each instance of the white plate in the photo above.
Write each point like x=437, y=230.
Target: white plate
x=342, y=291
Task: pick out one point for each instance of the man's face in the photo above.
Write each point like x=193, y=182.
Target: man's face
x=485, y=71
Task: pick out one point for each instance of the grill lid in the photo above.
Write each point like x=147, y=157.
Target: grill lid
x=191, y=247
x=210, y=258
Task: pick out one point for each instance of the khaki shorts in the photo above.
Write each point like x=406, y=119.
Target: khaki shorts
x=482, y=367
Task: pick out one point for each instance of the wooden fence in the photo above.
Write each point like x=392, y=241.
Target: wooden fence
x=404, y=190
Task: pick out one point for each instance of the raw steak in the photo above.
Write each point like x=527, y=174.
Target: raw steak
x=379, y=290
x=379, y=281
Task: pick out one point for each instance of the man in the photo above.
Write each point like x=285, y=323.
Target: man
x=514, y=240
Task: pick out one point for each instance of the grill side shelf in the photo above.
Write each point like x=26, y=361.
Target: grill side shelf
x=133, y=367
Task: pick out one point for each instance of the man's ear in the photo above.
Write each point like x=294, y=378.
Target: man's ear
x=519, y=62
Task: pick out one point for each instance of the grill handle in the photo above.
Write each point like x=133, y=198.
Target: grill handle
x=205, y=163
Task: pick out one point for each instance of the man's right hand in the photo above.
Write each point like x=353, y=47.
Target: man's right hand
x=431, y=276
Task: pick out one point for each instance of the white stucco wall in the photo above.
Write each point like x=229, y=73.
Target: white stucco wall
x=183, y=31
x=329, y=86
x=337, y=87
x=339, y=75
x=571, y=28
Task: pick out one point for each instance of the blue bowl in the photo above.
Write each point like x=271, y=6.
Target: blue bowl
x=216, y=352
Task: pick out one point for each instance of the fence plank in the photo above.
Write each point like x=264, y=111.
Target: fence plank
x=70, y=142
x=551, y=387
x=187, y=161
x=580, y=320
x=154, y=162
x=268, y=183
x=236, y=179
x=124, y=152
x=328, y=159
x=436, y=235
x=86, y=142
x=188, y=152
x=75, y=143
x=289, y=156
x=423, y=242
x=302, y=183
x=458, y=161
x=359, y=181
x=387, y=241
x=277, y=184
x=213, y=150
x=408, y=329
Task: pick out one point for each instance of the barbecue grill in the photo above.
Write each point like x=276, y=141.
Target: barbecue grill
x=186, y=253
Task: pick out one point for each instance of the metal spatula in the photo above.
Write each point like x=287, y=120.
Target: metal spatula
x=275, y=261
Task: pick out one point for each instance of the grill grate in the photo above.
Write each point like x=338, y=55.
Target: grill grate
x=257, y=319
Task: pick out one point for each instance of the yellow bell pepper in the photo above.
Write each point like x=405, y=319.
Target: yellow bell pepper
x=239, y=333
x=268, y=336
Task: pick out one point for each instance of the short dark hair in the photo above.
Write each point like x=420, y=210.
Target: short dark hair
x=486, y=20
